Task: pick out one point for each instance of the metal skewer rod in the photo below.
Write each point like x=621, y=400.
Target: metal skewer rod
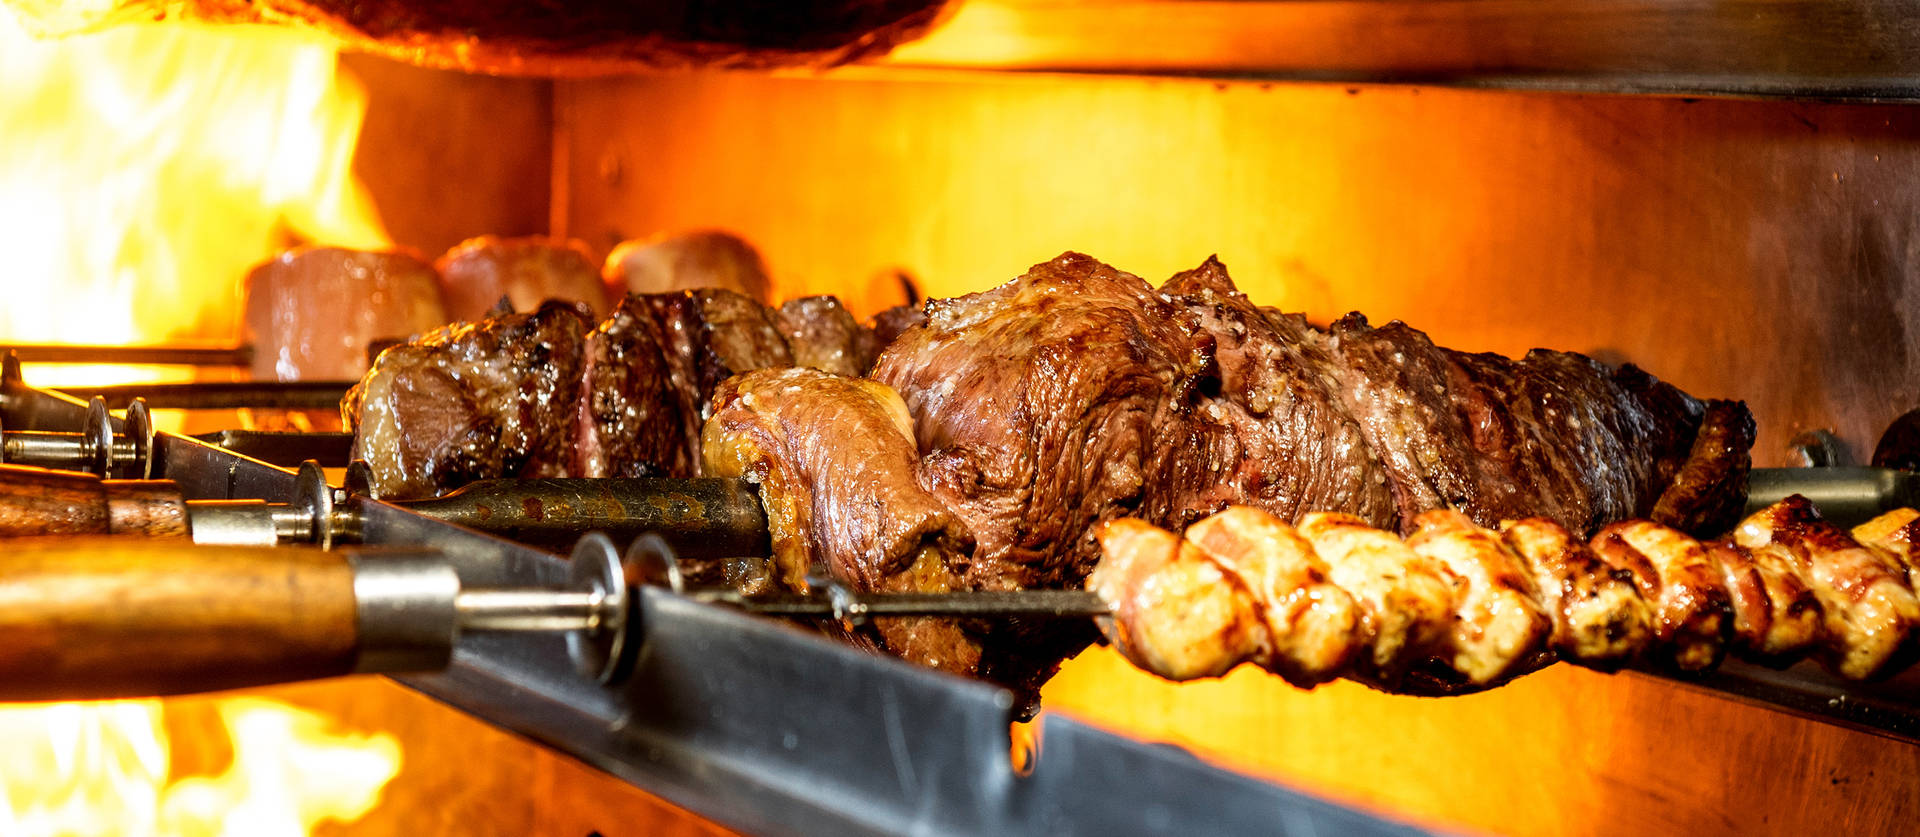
x=153, y=355
x=222, y=395
x=838, y=603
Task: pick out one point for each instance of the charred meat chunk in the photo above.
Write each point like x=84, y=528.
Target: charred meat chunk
x=823, y=335
x=835, y=461
x=633, y=420
x=312, y=312
x=471, y=401
x=1267, y=431
x=477, y=273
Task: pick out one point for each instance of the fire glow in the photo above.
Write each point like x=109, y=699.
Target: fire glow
x=102, y=769
x=142, y=172
x=144, y=169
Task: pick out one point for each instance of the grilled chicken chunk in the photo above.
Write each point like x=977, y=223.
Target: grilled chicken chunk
x=1776, y=617
x=1870, y=611
x=1498, y=626
x=1406, y=601
x=1599, y=619
x=1897, y=535
x=1176, y=612
x=1310, y=623
x=1682, y=584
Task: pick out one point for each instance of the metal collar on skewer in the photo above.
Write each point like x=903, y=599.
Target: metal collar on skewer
x=600, y=651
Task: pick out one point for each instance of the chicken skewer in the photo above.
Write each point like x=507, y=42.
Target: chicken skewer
x=1457, y=607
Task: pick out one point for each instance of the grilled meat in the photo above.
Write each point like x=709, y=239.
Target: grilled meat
x=835, y=459
x=1653, y=596
x=687, y=262
x=1870, y=609
x=472, y=401
x=1038, y=408
x=642, y=384
x=822, y=335
x=1175, y=612
x=634, y=417
x=1272, y=414
x=476, y=274
x=1599, y=619
x=311, y=312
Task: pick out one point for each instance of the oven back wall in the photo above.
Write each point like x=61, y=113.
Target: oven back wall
x=1764, y=251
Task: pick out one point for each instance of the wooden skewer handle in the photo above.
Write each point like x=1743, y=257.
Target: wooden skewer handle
x=36, y=501
x=88, y=618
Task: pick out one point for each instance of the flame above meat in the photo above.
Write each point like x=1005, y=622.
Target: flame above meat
x=144, y=170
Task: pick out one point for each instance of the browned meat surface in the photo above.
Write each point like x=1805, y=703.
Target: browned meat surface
x=888, y=325
x=1680, y=581
x=1037, y=407
x=471, y=401
x=476, y=274
x=1175, y=612
x=712, y=335
x=1311, y=624
x=633, y=420
x=1599, y=619
x=1273, y=436
x=688, y=262
x=834, y=458
x=1554, y=434
x=1406, y=599
x=1457, y=607
x=1870, y=610
x=822, y=335
x=1776, y=617
x=1897, y=535
x=311, y=312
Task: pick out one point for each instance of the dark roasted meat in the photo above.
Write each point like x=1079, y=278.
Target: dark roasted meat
x=888, y=325
x=634, y=420
x=1273, y=436
x=476, y=274
x=822, y=335
x=835, y=458
x=1037, y=407
x=312, y=312
x=471, y=401
x=714, y=334
x=688, y=262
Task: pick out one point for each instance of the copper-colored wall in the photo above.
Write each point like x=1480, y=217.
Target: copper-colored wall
x=1764, y=251
x=448, y=156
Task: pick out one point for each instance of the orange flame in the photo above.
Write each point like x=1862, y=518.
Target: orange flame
x=144, y=169
x=102, y=769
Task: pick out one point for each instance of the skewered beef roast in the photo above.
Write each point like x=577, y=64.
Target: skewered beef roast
x=835, y=460
x=636, y=388
x=1078, y=394
x=470, y=401
x=311, y=311
x=477, y=273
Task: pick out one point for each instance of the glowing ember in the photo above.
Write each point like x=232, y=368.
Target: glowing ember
x=102, y=769
x=143, y=170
